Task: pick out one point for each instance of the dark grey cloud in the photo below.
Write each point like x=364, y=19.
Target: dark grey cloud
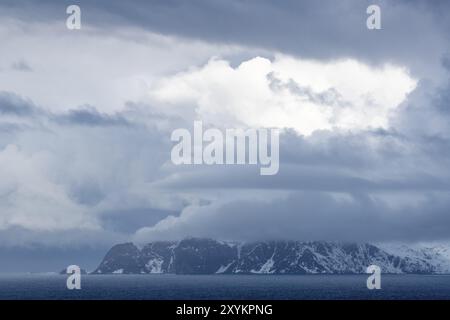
x=89, y=116
x=324, y=29
x=311, y=215
x=327, y=97
x=16, y=105
x=427, y=112
x=307, y=178
x=13, y=104
x=21, y=65
x=446, y=61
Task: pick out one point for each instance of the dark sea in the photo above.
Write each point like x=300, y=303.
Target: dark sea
x=38, y=286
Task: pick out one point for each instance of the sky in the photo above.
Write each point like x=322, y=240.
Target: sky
x=86, y=118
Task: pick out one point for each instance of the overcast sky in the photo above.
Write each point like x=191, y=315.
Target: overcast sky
x=86, y=118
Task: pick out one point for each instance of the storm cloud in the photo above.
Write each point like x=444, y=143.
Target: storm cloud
x=85, y=145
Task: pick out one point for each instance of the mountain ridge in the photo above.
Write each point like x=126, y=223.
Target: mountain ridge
x=208, y=256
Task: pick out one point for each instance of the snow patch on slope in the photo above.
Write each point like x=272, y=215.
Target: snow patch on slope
x=266, y=268
x=223, y=269
x=118, y=271
x=154, y=265
x=435, y=254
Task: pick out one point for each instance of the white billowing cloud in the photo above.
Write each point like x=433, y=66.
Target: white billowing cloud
x=288, y=93
x=30, y=200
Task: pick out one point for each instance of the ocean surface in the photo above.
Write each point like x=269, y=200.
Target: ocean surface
x=49, y=286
